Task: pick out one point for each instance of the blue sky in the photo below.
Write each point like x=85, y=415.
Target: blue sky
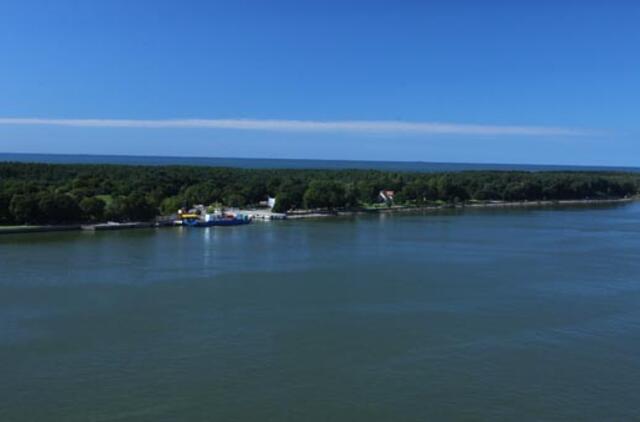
x=547, y=82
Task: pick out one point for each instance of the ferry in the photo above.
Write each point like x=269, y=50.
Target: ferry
x=215, y=219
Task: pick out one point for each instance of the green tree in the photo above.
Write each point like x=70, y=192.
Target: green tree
x=284, y=202
x=58, y=208
x=324, y=194
x=134, y=207
x=202, y=193
x=172, y=204
x=419, y=191
x=5, y=213
x=451, y=188
x=139, y=208
x=92, y=208
x=235, y=200
x=294, y=190
x=368, y=190
x=116, y=209
x=24, y=208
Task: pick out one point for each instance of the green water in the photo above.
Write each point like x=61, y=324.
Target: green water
x=478, y=315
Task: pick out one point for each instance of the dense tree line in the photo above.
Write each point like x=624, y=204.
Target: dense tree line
x=54, y=193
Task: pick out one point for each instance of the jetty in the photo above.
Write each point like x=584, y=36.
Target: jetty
x=117, y=226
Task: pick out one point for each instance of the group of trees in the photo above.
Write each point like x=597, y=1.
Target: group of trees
x=49, y=193
x=57, y=208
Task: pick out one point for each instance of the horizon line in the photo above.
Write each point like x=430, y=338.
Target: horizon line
x=190, y=157
x=285, y=125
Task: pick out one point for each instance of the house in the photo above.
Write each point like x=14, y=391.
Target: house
x=386, y=195
x=269, y=203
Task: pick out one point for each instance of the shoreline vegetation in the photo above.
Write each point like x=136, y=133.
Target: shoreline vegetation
x=318, y=214
x=460, y=206
x=46, y=197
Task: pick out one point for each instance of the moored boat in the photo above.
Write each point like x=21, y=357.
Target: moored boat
x=218, y=219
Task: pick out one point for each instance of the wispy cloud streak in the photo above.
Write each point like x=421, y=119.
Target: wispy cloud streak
x=353, y=126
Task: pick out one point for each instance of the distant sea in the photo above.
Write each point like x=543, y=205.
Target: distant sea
x=269, y=163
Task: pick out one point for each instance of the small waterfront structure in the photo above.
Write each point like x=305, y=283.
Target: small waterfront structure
x=269, y=203
x=386, y=195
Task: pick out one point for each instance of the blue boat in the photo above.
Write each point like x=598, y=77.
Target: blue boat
x=211, y=220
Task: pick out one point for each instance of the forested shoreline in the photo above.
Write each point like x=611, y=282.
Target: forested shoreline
x=33, y=193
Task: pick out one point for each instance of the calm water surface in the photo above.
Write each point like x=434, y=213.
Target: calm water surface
x=478, y=315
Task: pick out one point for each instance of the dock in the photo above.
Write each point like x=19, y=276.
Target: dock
x=264, y=215
x=117, y=226
x=37, y=229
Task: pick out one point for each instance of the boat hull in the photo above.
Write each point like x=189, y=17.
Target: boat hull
x=220, y=222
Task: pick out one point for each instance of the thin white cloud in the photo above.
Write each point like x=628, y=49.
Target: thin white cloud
x=353, y=126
